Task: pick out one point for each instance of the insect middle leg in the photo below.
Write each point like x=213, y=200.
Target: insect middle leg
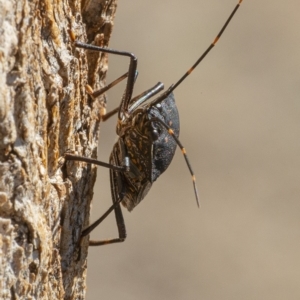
x=116, y=177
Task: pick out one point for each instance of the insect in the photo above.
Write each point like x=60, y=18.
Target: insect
x=148, y=137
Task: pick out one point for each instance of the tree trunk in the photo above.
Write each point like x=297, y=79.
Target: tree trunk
x=45, y=111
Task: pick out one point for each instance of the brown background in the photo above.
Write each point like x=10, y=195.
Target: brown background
x=240, y=123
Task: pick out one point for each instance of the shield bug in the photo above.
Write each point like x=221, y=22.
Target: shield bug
x=148, y=137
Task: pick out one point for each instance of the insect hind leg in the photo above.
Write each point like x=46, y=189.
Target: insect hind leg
x=117, y=196
x=120, y=224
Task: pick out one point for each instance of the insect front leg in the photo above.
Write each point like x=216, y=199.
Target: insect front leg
x=130, y=75
x=127, y=103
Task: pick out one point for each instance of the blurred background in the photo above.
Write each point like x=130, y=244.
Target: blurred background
x=240, y=123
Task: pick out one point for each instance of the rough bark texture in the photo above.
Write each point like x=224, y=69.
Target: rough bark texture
x=44, y=111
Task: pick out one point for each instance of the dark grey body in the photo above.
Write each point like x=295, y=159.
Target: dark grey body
x=150, y=149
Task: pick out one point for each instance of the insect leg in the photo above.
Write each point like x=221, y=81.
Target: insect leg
x=96, y=94
x=118, y=164
x=137, y=101
x=119, y=217
x=69, y=156
x=140, y=99
x=118, y=190
x=117, y=198
x=123, y=108
x=116, y=180
x=114, y=111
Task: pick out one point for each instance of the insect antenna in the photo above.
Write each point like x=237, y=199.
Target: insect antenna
x=171, y=132
x=174, y=86
x=190, y=70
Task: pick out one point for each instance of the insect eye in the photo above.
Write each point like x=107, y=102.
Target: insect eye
x=155, y=134
x=156, y=131
x=158, y=105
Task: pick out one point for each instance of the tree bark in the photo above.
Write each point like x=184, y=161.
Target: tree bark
x=45, y=111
